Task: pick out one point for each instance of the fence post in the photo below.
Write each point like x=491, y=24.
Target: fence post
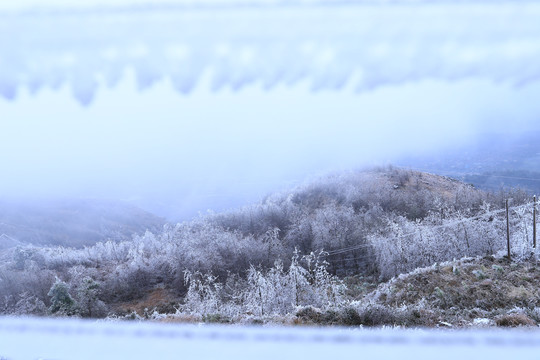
x=534, y=222
x=507, y=231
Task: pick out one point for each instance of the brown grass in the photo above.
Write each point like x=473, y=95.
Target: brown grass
x=181, y=319
x=488, y=284
x=515, y=320
x=158, y=299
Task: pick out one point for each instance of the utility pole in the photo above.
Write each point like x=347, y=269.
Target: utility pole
x=507, y=230
x=534, y=222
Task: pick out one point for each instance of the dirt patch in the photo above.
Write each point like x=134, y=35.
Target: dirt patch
x=159, y=299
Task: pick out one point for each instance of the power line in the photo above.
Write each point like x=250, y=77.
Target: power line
x=457, y=222
x=353, y=247
x=359, y=258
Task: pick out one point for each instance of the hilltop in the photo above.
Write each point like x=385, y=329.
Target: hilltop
x=495, y=160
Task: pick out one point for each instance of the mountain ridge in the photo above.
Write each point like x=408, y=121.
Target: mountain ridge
x=72, y=222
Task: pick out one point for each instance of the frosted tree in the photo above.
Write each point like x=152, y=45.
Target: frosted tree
x=297, y=280
x=29, y=305
x=268, y=292
x=273, y=244
x=521, y=238
x=277, y=291
x=20, y=256
x=61, y=301
x=328, y=290
x=204, y=294
x=89, y=304
x=257, y=294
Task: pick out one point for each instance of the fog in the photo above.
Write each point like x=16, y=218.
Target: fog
x=181, y=110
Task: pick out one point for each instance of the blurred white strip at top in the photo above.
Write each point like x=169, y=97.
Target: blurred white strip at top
x=329, y=45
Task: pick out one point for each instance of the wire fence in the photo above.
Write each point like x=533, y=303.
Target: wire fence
x=404, y=245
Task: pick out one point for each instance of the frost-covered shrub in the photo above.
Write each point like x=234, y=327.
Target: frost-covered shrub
x=369, y=314
x=29, y=305
x=280, y=291
x=61, y=301
x=89, y=304
x=514, y=320
x=276, y=291
x=533, y=313
x=522, y=233
x=309, y=314
x=204, y=294
x=327, y=290
x=405, y=245
x=125, y=283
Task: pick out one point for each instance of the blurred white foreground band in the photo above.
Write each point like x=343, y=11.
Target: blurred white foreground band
x=26, y=338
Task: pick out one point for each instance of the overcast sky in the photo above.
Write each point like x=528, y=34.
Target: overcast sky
x=178, y=154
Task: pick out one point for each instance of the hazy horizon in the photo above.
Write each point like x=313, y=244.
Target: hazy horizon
x=177, y=156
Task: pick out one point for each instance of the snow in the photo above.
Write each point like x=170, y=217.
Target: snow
x=27, y=338
x=329, y=45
